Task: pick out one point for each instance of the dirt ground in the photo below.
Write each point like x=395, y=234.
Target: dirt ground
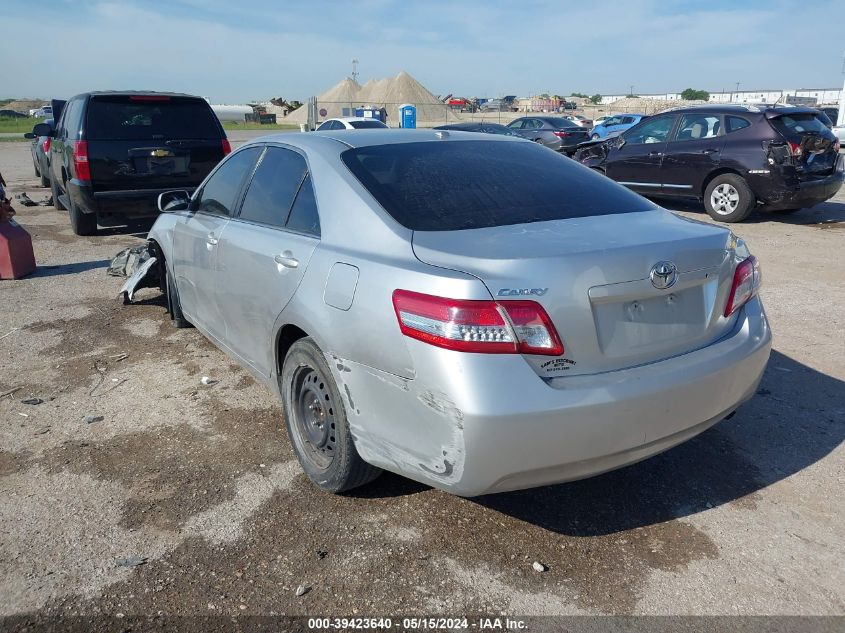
x=187, y=500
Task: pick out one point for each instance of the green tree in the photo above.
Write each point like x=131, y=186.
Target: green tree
x=691, y=94
x=595, y=99
x=580, y=94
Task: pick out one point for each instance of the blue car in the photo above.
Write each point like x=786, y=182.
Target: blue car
x=615, y=125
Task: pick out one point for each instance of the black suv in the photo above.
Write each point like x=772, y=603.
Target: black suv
x=114, y=152
x=734, y=158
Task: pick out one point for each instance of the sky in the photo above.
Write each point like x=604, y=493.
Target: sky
x=237, y=51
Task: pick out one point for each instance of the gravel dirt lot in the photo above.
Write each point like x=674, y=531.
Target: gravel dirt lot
x=199, y=484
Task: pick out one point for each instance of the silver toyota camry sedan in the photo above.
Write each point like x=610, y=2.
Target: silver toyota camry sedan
x=478, y=314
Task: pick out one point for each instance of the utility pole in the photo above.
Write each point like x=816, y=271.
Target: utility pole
x=737, y=92
x=632, y=90
x=355, y=70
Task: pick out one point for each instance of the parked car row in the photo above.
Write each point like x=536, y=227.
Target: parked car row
x=734, y=158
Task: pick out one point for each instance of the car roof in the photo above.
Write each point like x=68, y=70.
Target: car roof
x=133, y=93
x=340, y=140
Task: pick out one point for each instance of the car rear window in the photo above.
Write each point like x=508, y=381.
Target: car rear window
x=150, y=118
x=453, y=185
x=803, y=123
x=361, y=125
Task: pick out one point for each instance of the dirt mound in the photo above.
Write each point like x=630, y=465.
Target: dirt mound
x=387, y=93
x=25, y=105
x=639, y=105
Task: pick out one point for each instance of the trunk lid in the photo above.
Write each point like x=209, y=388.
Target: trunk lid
x=151, y=142
x=591, y=275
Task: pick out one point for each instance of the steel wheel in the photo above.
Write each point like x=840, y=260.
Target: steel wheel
x=314, y=415
x=724, y=199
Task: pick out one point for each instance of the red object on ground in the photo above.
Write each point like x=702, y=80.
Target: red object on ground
x=16, y=256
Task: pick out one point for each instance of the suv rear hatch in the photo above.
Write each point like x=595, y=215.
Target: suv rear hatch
x=592, y=276
x=809, y=145
x=151, y=141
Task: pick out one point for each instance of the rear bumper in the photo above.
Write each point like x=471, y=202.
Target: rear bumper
x=128, y=202
x=472, y=426
x=805, y=193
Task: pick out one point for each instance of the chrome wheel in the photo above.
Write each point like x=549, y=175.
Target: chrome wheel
x=724, y=199
x=314, y=415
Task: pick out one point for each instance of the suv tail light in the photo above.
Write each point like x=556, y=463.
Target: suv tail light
x=47, y=144
x=745, y=285
x=485, y=327
x=227, y=148
x=80, y=160
x=795, y=149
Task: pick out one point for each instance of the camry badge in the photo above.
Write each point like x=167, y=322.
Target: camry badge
x=663, y=275
x=521, y=292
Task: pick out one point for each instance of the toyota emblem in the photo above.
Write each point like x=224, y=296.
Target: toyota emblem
x=663, y=275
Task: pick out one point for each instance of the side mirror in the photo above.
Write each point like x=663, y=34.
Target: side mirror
x=171, y=201
x=29, y=135
x=42, y=129
x=620, y=141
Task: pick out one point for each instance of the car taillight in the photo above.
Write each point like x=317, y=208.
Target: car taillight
x=227, y=148
x=47, y=144
x=80, y=160
x=745, y=285
x=561, y=134
x=836, y=145
x=795, y=149
x=486, y=327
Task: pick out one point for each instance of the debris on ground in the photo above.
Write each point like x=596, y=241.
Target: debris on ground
x=539, y=567
x=90, y=419
x=208, y=381
x=302, y=590
x=32, y=401
x=132, y=561
x=9, y=392
x=46, y=202
x=321, y=554
x=128, y=261
x=25, y=200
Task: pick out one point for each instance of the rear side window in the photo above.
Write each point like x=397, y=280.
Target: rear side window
x=696, y=126
x=734, y=123
x=362, y=125
x=453, y=185
x=273, y=188
x=792, y=124
x=140, y=117
x=303, y=216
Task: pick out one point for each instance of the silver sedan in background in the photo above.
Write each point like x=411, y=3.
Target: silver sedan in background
x=475, y=312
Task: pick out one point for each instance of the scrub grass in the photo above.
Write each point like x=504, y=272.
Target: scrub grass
x=9, y=124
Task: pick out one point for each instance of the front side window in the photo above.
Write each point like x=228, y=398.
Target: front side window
x=695, y=126
x=220, y=192
x=652, y=131
x=273, y=188
x=516, y=125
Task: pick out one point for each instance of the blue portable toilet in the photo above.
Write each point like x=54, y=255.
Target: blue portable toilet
x=407, y=115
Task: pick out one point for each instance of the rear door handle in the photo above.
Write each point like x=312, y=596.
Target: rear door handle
x=655, y=153
x=286, y=259
x=709, y=151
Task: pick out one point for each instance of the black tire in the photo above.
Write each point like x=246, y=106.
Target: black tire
x=315, y=417
x=174, y=307
x=35, y=166
x=82, y=223
x=54, y=190
x=728, y=198
x=45, y=180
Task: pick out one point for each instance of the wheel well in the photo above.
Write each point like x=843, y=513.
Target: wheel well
x=718, y=172
x=289, y=335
